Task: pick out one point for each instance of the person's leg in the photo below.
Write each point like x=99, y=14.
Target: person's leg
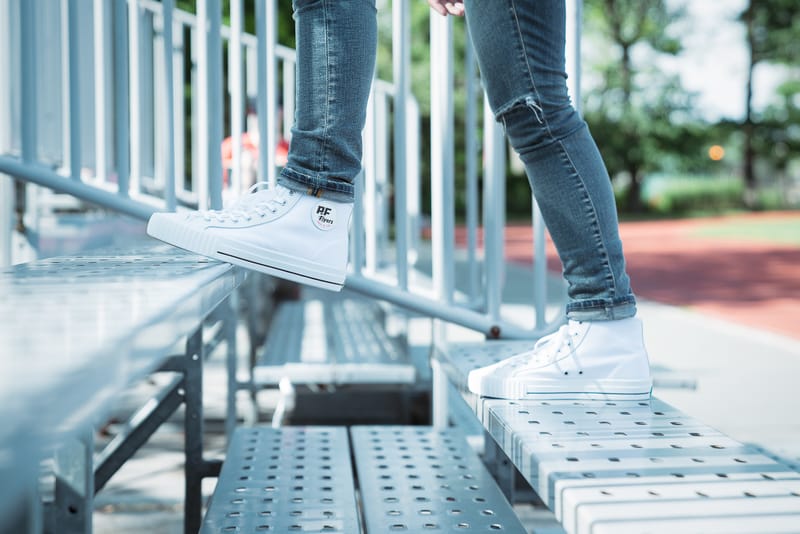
x=299, y=229
x=520, y=49
x=336, y=47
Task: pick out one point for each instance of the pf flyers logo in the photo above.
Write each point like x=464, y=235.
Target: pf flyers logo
x=324, y=216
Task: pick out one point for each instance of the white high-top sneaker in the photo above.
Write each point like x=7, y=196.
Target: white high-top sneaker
x=604, y=360
x=277, y=231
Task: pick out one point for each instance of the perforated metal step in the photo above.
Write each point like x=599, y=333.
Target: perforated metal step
x=631, y=466
x=415, y=479
x=331, y=341
x=292, y=479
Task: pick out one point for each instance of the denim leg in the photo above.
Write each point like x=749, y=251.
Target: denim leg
x=520, y=49
x=336, y=47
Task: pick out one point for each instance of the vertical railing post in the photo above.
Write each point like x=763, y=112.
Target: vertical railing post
x=135, y=99
x=413, y=180
x=266, y=31
x=6, y=113
x=74, y=91
x=442, y=189
x=121, y=120
x=101, y=165
x=401, y=37
x=288, y=72
x=471, y=175
x=539, y=267
x=179, y=122
x=442, y=156
x=268, y=141
x=214, y=80
x=150, y=80
x=200, y=125
x=357, y=231
x=229, y=308
x=6, y=183
x=235, y=87
x=167, y=7
x=370, y=196
x=573, y=50
x=381, y=178
x=6, y=218
x=494, y=210
x=28, y=80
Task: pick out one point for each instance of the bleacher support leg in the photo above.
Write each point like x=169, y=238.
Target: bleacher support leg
x=229, y=308
x=440, y=416
x=499, y=466
x=193, y=426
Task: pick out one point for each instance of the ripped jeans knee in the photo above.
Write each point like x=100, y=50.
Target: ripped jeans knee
x=531, y=124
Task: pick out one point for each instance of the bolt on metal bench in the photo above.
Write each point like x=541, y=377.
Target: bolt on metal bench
x=76, y=331
x=629, y=466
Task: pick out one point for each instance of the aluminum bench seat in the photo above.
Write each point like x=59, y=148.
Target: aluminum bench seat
x=630, y=466
x=75, y=331
x=331, y=340
x=406, y=479
x=79, y=328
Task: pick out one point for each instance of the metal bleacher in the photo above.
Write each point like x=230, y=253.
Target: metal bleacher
x=376, y=431
x=77, y=331
x=410, y=479
x=628, y=466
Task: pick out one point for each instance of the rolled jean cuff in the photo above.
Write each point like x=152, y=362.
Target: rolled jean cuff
x=321, y=186
x=602, y=310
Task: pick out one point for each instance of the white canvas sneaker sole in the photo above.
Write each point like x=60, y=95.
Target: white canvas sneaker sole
x=606, y=360
x=577, y=389
x=165, y=227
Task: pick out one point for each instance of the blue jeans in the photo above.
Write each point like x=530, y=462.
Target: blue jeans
x=336, y=47
x=520, y=49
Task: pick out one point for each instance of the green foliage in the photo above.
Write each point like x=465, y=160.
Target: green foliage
x=643, y=120
x=285, y=24
x=687, y=194
x=420, y=53
x=775, y=30
x=772, y=32
x=638, y=115
x=778, y=230
x=777, y=137
x=630, y=22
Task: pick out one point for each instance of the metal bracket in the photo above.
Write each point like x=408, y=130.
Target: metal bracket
x=71, y=507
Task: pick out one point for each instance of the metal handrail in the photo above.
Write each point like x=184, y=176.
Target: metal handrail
x=151, y=52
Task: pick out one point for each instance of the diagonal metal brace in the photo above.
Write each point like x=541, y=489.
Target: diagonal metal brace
x=138, y=429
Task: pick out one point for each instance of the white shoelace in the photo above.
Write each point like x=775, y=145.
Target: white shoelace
x=547, y=348
x=247, y=206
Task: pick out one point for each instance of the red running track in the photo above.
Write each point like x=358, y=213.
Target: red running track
x=747, y=281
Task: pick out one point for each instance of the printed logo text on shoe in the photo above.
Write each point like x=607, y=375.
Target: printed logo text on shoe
x=324, y=216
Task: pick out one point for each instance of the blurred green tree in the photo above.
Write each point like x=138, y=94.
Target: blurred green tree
x=637, y=113
x=772, y=36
